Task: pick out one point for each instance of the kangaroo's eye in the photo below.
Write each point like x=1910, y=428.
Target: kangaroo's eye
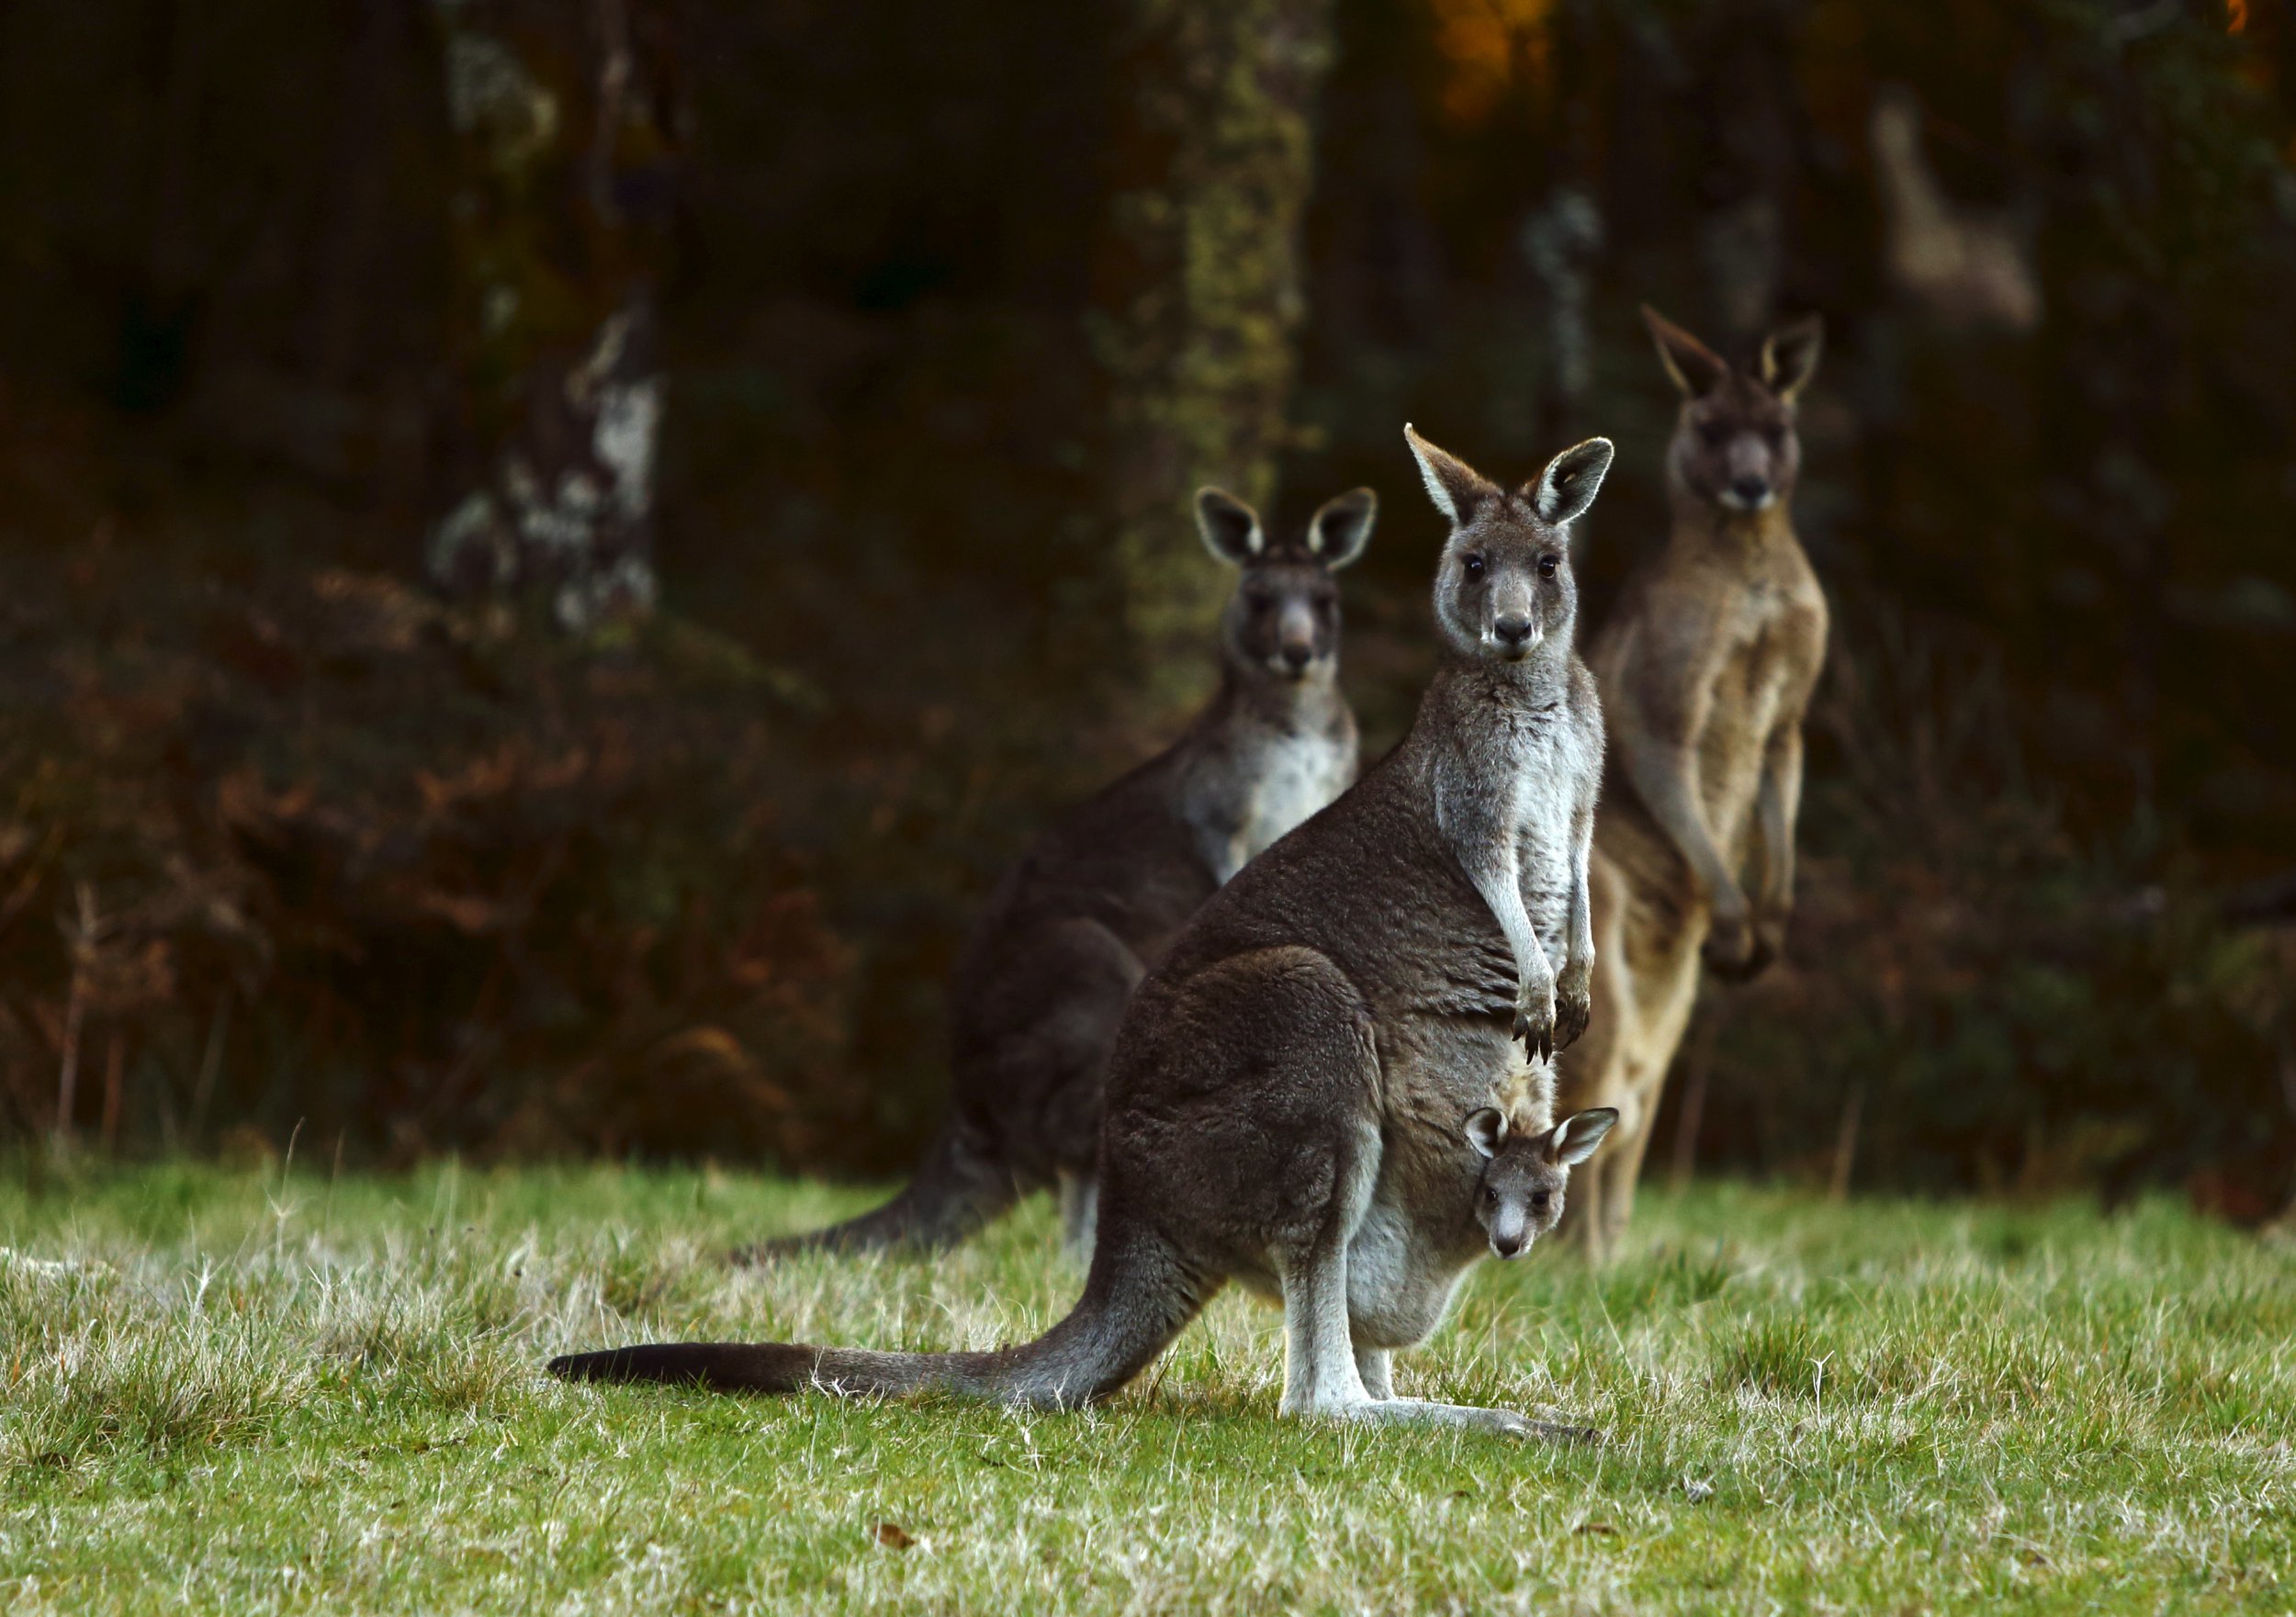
x=1490, y=1196
x=1715, y=433
x=1539, y=1199
x=1474, y=566
x=1547, y=566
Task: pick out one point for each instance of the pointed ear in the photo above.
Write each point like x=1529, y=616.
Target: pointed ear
x=1343, y=527
x=1789, y=356
x=1571, y=481
x=1455, y=487
x=1230, y=528
x=1696, y=368
x=1487, y=1131
x=1575, y=1137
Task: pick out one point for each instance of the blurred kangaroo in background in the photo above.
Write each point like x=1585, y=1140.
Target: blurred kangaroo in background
x=1042, y=981
x=1705, y=670
x=1285, y=1095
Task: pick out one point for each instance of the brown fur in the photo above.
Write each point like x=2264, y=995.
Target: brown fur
x=1705, y=670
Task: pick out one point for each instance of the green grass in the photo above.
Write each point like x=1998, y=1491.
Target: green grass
x=238, y=1393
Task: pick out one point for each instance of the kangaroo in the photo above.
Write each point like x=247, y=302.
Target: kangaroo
x=1068, y=932
x=1706, y=671
x=1284, y=1093
x=1520, y=1194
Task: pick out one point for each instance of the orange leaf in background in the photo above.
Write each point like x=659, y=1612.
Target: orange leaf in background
x=1481, y=40
x=467, y=913
x=2236, y=17
x=708, y=1044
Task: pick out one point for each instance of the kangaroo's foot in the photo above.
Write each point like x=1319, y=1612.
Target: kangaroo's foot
x=1505, y=1422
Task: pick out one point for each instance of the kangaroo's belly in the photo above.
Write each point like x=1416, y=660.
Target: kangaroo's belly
x=1547, y=881
x=1751, y=699
x=1400, y=1283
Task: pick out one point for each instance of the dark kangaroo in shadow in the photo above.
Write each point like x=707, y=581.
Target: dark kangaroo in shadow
x=1075, y=924
x=1288, y=1092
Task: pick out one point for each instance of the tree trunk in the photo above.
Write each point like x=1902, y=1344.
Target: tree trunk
x=567, y=130
x=1197, y=298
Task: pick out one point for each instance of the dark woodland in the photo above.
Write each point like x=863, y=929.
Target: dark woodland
x=553, y=551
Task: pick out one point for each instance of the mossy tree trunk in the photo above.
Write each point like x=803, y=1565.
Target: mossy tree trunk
x=1197, y=298
x=567, y=125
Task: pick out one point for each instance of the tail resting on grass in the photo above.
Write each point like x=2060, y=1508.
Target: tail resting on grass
x=1135, y=1302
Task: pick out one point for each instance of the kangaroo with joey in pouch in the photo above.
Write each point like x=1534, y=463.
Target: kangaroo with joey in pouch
x=1070, y=929
x=1287, y=1095
x=1706, y=668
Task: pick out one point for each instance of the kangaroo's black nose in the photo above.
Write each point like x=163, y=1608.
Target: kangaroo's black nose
x=1297, y=654
x=1511, y=631
x=1753, y=491
x=1506, y=1246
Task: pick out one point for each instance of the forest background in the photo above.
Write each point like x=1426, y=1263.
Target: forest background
x=552, y=550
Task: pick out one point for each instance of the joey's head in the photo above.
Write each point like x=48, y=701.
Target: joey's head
x=1735, y=446
x=1282, y=623
x=1503, y=588
x=1520, y=1197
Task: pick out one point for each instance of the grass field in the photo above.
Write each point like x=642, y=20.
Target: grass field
x=252, y=1392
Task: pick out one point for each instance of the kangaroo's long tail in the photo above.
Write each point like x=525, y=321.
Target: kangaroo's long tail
x=1138, y=1297
x=959, y=1188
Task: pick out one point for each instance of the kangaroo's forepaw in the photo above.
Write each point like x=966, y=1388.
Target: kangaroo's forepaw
x=1729, y=949
x=1574, y=1007
x=1769, y=943
x=1534, y=1020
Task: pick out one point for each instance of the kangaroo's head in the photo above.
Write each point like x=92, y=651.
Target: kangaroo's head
x=1504, y=586
x=1283, y=621
x=1520, y=1198
x=1733, y=443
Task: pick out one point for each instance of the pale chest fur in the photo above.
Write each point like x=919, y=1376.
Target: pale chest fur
x=1291, y=776
x=1548, y=767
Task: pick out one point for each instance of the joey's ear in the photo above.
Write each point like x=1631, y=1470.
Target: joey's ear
x=1487, y=1131
x=1230, y=528
x=1696, y=368
x=1789, y=356
x=1343, y=527
x=1571, y=481
x=1576, y=1136
x=1455, y=487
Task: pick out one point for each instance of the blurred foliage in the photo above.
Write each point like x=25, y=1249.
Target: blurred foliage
x=458, y=887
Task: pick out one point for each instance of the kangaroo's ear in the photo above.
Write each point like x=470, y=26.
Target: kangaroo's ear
x=1230, y=528
x=1455, y=487
x=1487, y=1131
x=1697, y=369
x=1571, y=481
x=1343, y=527
x=1575, y=1137
x=1789, y=356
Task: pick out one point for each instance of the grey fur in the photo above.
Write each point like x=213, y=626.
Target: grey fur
x=1520, y=1195
x=1285, y=1095
x=1069, y=931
